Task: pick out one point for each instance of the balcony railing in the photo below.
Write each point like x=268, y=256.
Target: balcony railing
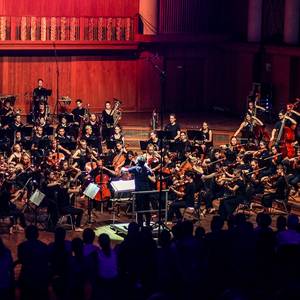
x=63, y=29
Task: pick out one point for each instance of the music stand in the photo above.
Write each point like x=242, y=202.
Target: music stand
x=164, y=135
x=48, y=130
x=110, y=145
x=195, y=135
x=90, y=192
x=36, y=198
x=143, y=145
x=27, y=131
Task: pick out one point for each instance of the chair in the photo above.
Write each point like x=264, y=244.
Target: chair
x=61, y=220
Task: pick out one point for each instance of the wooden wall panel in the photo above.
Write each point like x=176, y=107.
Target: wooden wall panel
x=69, y=7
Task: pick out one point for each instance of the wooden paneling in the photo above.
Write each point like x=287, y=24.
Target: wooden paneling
x=69, y=7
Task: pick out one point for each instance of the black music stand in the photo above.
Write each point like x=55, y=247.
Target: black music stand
x=48, y=130
x=195, y=135
x=68, y=117
x=27, y=131
x=110, y=145
x=90, y=192
x=143, y=145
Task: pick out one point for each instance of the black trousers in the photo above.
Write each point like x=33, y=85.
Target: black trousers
x=142, y=203
x=229, y=204
x=76, y=213
x=175, y=209
x=16, y=214
x=268, y=199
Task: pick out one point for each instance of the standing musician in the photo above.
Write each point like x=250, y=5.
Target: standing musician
x=107, y=121
x=79, y=112
x=173, y=127
x=185, y=198
x=143, y=177
x=207, y=138
x=247, y=128
x=253, y=107
x=40, y=94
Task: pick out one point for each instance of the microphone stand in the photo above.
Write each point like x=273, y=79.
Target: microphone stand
x=163, y=76
x=57, y=84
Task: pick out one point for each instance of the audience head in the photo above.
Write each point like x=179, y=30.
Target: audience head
x=281, y=223
x=31, y=232
x=77, y=247
x=292, y=222
x=164, y=238
x=88, y=236
x=104, y=242
x=199, y=233
x=263, y=220
x=217, y=223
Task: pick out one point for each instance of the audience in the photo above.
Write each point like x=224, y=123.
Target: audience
x=237, y=261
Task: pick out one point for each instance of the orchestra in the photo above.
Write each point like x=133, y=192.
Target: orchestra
x=62, y=159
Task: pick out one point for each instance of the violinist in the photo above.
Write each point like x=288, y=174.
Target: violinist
x=152, y=158
x=143, y=177
x=185, y=198
x=272, y=161
x=130, y=159
x=231, y=151
x=207, y=138
x=7, y=114
x=247, y=128
x=278, y=188
x=83, y=154
x=8, y=207
x=16, y=155
x=253, y=178
x=237, y=189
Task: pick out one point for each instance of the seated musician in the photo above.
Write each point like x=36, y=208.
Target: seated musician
x=237, y=188
x=272, y=161
x=253, y=177
x=17, y=124
x=90, y=137
x=8, y=208
x=62, y=138
x=78, y=112
x=16, y=154
x=41, y=113
x=277, y=186
x=56, y=153
x=58, y=196
x=207, y=138
x=83, y=154
x=185, y=198
x=173, y=127
x=117, y=136
x=247, y=128
x=130, y=159
x=154, y=140
x=152, y=158
x=93, y=122
x=64, y=124
x=183, y=146
x=18, y=138
x=7, y=114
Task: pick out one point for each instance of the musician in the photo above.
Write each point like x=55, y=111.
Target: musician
x=78, y=112
x=62, y=138
x=90, y=137
x=7, y=114
x=207, y=138
x=16, y=154
x=58, y=196
x=107, y=121
x=253, y=107
x=18, y=138
x=143, y=177
x=247, y=128
x=173, y=127
x=83, y=154
x=154, y=140
x=288, y=121
x=8, y=208
x=184, y=199
x=64, y=124
x=41, y=113
x=93, y=122
x=232, y=150
x=183, y=146
x=40, y=94
x=117, y=136
x=56, y=148
x=237, y=188
x=278, y=188
x=130, y=159
x=152, y=158
x=17, y=124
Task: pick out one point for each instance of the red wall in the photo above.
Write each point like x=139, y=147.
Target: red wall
x=69, y=7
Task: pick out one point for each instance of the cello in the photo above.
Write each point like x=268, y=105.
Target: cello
x=102, y=181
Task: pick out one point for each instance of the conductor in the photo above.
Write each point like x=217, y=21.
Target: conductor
x=143, y=177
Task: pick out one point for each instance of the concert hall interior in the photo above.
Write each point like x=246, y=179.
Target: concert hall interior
x=149, y=149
